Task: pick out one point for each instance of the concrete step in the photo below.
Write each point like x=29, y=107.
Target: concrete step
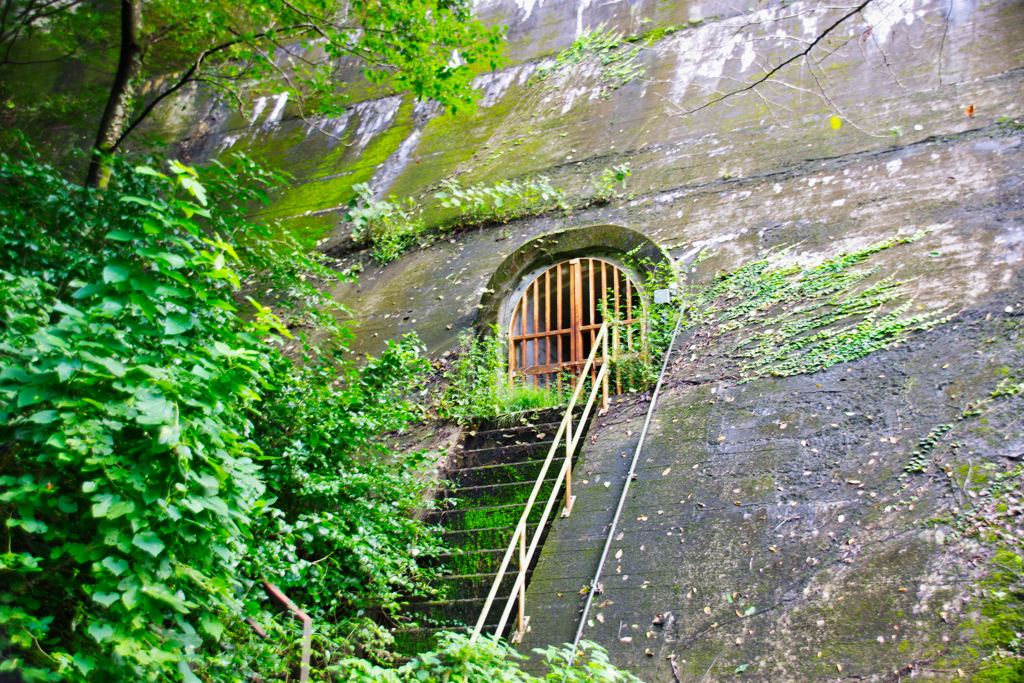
x=494, y=495
x=484, y=539
x=525, y=418
x=505, y=473
x=474, y=586
x=502, y=455
x=486, y=517
x=538, y=433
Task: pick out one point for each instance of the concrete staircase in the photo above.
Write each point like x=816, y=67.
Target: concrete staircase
x=490, y=480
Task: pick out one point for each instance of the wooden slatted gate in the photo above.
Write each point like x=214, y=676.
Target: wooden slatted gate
x=555, y=321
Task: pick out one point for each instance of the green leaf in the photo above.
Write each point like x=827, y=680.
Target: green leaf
x=102, y=504
x=89, y=290
x=150, y=542
x=121, y=508
x=123, y=236
x=750, y=610
x=106, y=599
x=212, y=626
x=155, y=411
x=144, y=303
x=114, y=366
x=160, y=592
x=197, y=190
x=130, y=598
x=177, y=324
x=116, y=272
x=146, y=170
x=100, y=631
x=31, y=396
x=44, y=417
x=84, y=663
x=741, y=668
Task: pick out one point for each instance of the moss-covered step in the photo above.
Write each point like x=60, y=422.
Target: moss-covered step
x=502, y=455
x=496, y=494
x=504, y=473
x=484, y=517
x=474, y=586
x=485, y=539
x=440, y=613
x=412, y=641
x=472, y=562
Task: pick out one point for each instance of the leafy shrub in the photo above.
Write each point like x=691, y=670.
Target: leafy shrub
x=478, y=386
x=389, y=226
x=609, y=181
x=503, y=201
x=160, y=456
x=490, y=661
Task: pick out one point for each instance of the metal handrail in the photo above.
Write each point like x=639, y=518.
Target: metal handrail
x=519, y=536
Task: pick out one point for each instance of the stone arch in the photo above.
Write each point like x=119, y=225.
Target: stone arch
x=631, y=250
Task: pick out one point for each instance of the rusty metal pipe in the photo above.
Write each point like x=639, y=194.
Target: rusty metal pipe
x=282, y=601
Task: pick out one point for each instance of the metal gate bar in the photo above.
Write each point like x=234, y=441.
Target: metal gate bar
x=543, y=347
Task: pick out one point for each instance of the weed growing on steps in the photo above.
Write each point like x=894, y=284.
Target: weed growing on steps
x=770, y=318
x=478, y=385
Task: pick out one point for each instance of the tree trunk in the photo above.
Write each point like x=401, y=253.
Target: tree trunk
x=116, y=113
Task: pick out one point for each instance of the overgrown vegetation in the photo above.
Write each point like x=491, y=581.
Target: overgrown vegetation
x=609, y=181
x=614, y=59
x=773, y=318
x=161, y=456
x=392, y=226
x=477, y=383
x=489, y=660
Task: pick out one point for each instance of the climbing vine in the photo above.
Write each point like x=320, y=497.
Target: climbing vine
x=615, y=59
x=775, y=317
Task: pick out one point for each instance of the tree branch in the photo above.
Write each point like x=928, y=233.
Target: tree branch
x=774, y=70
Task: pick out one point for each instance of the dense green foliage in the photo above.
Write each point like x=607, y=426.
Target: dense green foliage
x=156, y=461
x=490, y=661
x=161, y=456
x=309, y=50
